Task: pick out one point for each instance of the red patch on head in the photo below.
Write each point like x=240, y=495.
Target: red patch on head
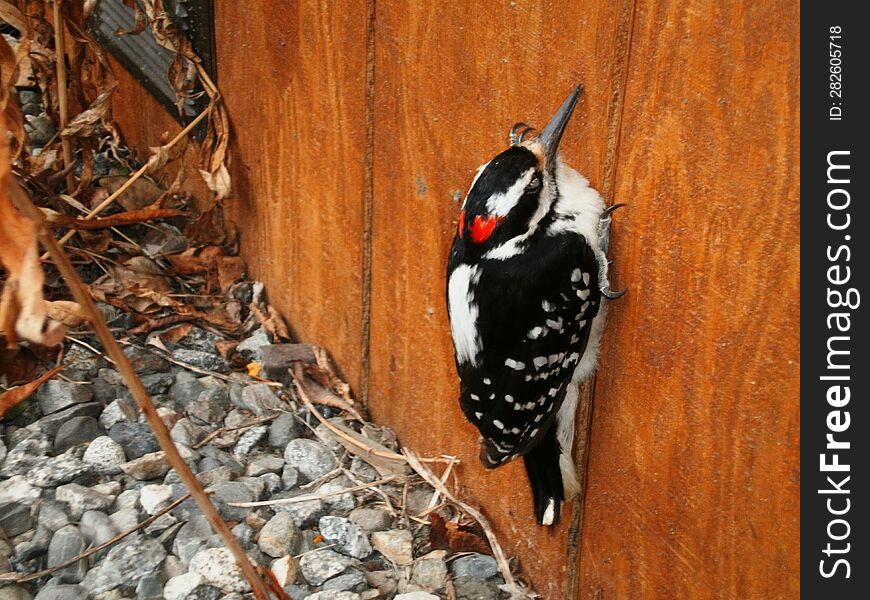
x=482, y=227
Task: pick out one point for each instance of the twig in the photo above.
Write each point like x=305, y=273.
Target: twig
x=497, y=551
x=222, y=430
x=60, y=61
x=21, y=578
x=310, y=497
x=137, y=390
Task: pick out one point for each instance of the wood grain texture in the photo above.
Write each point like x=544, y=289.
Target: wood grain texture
x=694, y=465
x=293, y=76
x=450, y=80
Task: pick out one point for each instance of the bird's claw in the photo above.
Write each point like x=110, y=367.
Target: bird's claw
x=604, y=245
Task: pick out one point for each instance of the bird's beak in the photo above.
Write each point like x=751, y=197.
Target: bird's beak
x=552, y=133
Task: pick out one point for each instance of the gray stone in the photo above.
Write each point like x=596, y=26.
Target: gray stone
x=311, y=458
x=282, y=430
x=14, y=591
x=476, y=566
x=371, y=518
x=66, y=543
x=200, y=339
x=430, y=571
x=187, y=432
x=261, y=400
x=97, y=528
x=280, y=536
x=470, y=588
x=348, y=537
x=114, y=414
x=50, y=424
x=320, y=565
x=306, y=513
x=333, y=595
x=210, y=407
x=15, y=518
x=52, y=515
x=104, y=455
x=54, y=471
x=39, y=129
x=190, y=586
x=157, y=383
x=2, y=450
x=75, y=431
x=349, y=582
x=323, y=433
x=127, y=499
x=17, y=489
x=250, y=347
x=363, y=471
x=186, y=389
x=149, y=466
x=217, y=457
x=394, y=545
x=62, y=592
x=137, y=439
x=264, y=463
x=191, y=538
x=256, y=485
x=56, y=394
x=124, y=518
x=271, y=482
x=37, y=545
x=79, y=499
x=150, y=587
x=337, y=503
x=216, y=475
x=218, y=568
x=418, y=595
x=230, y=491
x=126, y=564
x=145, y=361
x=155, y=497
x=248, y=441
x=26, y=454
x=289, y=477
x=203, y=360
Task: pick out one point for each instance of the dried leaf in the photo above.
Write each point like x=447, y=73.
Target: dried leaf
x=14, y=396
x=142, y=193
x=218, y=181
x=449, y=535
x=272, y=321
x=230, y=269
x=85, y=123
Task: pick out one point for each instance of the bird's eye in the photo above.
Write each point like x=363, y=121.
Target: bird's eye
x=534, y=185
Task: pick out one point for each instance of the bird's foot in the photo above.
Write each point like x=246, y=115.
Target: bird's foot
x=604, y=223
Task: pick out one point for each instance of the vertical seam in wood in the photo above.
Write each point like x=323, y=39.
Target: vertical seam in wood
x=621, y=57
x=368, y=202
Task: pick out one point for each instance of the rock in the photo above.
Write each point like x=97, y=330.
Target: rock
x=28, y=453
x=155, y=497
x=187, y=432
x=97, y=528
x=52, y=515
x=186, y=389
x=157, y=383
x=191, y=538
x=62, y=592
x=149, y=466
x=289, y=477
x=470, y=588
x=56, y=394
x=114, y=414
x=190, y=586
x=54, y=471
x=218, y=568
x=203, y=360
x=18, y=489
x=127, y=499
x=14, y=592
x=216, y=475
x=384, y=581
x=311, y=458
x=340, y=503
x=145, y=361
x=348, y=537
x=37, y=545
x=416, y=596
x=349, y=582
x=50, y=424
x=124, y=518
x=371, y=518
x=306, y=513
x=282, y=430
x=430, y=571
x=126, y=564
x=395, y=545
x=105, y=456
x=476, y=566
x=333, y=595
x=230, y=491
x=75, y=431
x=280, y=536
x=363, y=470
x=66, y=543
x=15, y=518
x=261, y=400
x=285, y=569
x=150, y=587
x=137, y=439
x=250, y=348
x=320, y=565
x=248, y=441
x=80, y=499
x=264, y=463
x=210, y=407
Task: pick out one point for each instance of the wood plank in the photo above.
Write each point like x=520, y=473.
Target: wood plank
x=694, y=464
x=293, y=75
x=450, y=80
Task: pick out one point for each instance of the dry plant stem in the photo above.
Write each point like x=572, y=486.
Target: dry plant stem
x=138, y=392
x=308, y=497
x=497, y=551
x=60, y=57
x=142, y=170
x=17, y=577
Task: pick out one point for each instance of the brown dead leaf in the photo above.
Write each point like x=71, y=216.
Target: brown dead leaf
x=130, y=217
x=207, y=229
x=272, y=321
x=86, y=122
x=142, y=193
x=226, y=348
x=187, y=264
x=67, y=312
x=176, y=334
x=15, y=396
x=449, y=535
x=230, y=269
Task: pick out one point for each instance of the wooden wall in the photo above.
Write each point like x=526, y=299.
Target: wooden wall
x=358, y=125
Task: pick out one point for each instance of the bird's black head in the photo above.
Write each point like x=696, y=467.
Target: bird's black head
x=516, y=189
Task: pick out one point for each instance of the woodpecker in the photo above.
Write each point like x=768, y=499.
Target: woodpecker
x=526, y=282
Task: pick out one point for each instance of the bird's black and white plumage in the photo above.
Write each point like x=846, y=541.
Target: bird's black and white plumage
x=526, y=279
